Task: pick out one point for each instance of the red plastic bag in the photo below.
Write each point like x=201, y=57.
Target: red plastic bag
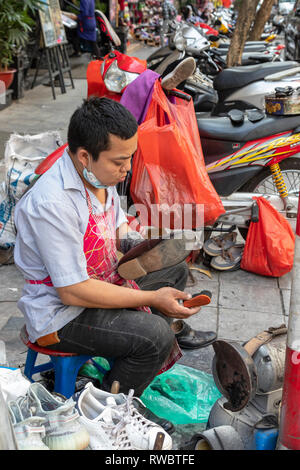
x=169, y=178
x=269, y=248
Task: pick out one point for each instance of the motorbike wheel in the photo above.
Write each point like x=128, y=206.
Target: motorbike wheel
x=263, y=182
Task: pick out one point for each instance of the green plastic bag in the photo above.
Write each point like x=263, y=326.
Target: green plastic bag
x=90, y=370
x=182, y=395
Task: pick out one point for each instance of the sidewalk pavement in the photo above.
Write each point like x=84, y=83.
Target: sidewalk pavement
x=243, y=304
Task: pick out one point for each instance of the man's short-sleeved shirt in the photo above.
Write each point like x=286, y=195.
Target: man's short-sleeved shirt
x=51, y=220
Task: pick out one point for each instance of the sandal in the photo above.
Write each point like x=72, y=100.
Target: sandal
x=230, y=260
x=215, y=246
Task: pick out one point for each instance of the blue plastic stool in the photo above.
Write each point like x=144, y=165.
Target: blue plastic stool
x=65, y=365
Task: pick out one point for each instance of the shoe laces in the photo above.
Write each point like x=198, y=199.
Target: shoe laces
x=118, y=431
x=200, y=77
x=121, y=438
x=132, y=416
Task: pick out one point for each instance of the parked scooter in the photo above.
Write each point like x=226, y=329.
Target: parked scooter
x=106, y=35
x=239, y=87
x=211, y=60
x=258, y=156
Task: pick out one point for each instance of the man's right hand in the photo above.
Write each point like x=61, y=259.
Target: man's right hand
x=166, y=301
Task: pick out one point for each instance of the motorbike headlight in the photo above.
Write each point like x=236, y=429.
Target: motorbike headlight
x=116, y=79
x=180, y=42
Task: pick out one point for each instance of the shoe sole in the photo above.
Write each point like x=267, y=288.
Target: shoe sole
x=199, y=347
x=211, y=253
x=164, y=255
x=178, y=76
x=75, y=441
x=226, y=268
x=198, y=300
x=111, y=31
x=169, y=447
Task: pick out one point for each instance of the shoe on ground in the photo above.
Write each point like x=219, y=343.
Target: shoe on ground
x=230, y=260
x=7, y=256
x=181, y=72
x=114, y=422
x=154, y=255
x=64, y=430
x=188, y=338
x=215, y=246
x=29, y=430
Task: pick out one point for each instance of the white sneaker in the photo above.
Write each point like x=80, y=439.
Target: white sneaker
x=105, y=426
x=64, y=431
x=141, y=432
x=29, y=430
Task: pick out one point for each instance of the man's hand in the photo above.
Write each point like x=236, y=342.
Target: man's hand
x=166, y=301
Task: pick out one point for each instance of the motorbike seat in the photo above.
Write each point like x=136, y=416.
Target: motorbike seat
x=221, y=128
x=251, y=48
x=247, y=43
x=238, y=77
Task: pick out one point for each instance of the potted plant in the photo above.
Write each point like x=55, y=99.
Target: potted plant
x=15, y=26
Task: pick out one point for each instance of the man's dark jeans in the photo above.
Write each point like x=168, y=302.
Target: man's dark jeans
x=138, y=342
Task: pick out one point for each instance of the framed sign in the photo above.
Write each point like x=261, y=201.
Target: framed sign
x=51, y=23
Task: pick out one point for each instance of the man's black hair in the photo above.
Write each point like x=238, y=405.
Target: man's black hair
x=97, y=118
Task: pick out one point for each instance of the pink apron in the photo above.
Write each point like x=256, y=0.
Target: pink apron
x=99, y=245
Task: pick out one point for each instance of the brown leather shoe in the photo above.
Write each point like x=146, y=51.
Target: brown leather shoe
x=154, y=255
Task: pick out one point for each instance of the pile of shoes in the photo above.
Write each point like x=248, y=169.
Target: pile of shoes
x=92, y=419
x=224, y=252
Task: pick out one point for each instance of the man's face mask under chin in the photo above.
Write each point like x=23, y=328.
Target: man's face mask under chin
x=91, y=178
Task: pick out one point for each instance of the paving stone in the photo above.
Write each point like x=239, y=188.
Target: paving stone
x=15, y=349
x=11, y=284
x=7, y=310
x=200, y=359
x=206, y=319
x=250, y=297
x=244, y=277
x=286, y=296
x=212, y=286
x=285, y=281
x=236, y=324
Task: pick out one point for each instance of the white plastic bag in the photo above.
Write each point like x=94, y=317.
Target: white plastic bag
x=13, y=383
x=7, y=229
x=23, y=153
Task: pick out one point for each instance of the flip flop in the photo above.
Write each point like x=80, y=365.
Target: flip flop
x=230, y=260
x=215, y=246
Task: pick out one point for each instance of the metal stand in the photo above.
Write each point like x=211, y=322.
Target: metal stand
x=65, y=63
x=57, y=64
